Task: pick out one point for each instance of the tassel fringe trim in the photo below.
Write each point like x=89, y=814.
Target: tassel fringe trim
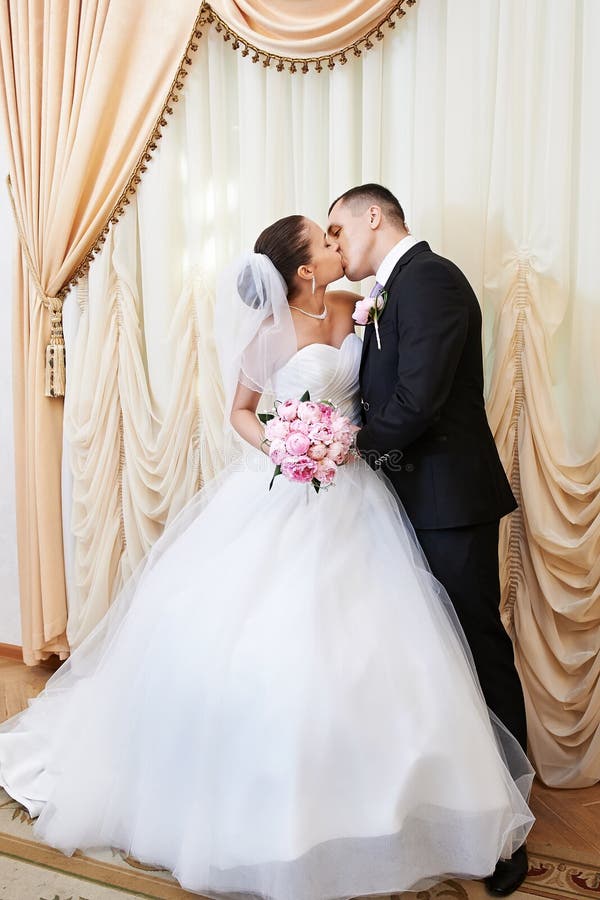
x=516, y=524
x=304, y=64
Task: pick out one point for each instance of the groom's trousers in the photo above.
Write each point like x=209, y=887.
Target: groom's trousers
x=465, y=561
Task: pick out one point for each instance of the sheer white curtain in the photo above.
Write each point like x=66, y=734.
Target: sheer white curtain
x=482, y=119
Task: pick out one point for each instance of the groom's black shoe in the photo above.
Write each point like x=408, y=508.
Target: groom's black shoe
x=508, y=874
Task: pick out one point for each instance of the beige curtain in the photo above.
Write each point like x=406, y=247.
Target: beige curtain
x=550, y=444
x=542, y=313
x=304, y=28
x=82, y=85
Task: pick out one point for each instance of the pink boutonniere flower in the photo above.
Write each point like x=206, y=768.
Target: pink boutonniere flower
x=368, y=310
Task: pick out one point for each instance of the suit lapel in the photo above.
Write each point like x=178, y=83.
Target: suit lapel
x=366, y=341
x=403, y=261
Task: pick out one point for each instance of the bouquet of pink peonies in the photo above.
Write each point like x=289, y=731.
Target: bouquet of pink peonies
x=308, y=441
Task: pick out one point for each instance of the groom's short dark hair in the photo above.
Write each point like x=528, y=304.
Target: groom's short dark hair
x=373, y=194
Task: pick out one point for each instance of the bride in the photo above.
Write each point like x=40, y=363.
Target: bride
x=280, y=702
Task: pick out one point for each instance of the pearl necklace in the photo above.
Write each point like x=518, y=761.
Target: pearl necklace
x=322, y=315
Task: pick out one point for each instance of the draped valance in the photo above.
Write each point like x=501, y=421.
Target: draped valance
x=299, y=34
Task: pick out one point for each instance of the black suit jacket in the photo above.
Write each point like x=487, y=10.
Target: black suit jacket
x=422, y=393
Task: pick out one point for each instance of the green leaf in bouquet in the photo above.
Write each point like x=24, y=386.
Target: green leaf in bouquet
x=316, y=484
x=265, y=417
x=305, y=396
x=275, y=474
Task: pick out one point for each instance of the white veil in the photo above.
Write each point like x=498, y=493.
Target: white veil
x=254, y=332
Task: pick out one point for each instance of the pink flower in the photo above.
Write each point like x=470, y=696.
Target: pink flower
x=321, y=433
x=297, y=444
x=299, y=468
x=340, y=424
x=317, y=451
x=325, y=472
x=277, y=452
x=345, y=439
x=337, y=452
x=287, y=410
x=300, y=426
x=276, y=429
x=308, y=441
x=309, y=412
x=362, y=310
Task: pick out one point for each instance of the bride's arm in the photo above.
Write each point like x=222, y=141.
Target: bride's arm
x=243, y=417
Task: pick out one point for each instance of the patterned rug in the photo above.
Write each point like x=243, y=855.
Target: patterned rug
x=29, y=870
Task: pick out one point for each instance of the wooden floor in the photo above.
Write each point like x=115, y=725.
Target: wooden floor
x=568, y=821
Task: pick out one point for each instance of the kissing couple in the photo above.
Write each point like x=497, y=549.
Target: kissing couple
x=303, y=696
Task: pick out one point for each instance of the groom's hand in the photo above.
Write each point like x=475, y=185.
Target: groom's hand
x=392, y=459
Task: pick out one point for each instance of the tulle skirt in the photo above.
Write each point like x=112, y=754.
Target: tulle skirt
x=280, y=703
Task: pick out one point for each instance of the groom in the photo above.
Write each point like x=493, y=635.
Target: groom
x=425, y=425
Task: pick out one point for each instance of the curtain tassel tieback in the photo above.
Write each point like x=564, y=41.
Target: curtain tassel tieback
x=56, y=357
x=56, y=369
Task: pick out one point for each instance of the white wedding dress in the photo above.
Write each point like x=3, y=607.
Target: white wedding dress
x=278, y=704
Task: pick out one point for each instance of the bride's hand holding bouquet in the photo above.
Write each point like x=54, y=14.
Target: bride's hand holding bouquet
x=308, y=441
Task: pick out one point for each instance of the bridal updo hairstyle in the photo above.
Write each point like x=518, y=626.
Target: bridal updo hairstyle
x=287, y=244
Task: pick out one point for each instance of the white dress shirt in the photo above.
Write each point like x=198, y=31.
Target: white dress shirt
x=390, y=259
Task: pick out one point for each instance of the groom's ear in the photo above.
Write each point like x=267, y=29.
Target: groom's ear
x=374, y=217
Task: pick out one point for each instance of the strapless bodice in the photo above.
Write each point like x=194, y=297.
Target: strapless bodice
x=328, y=373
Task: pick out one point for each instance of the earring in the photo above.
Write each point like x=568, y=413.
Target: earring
x=314, y=284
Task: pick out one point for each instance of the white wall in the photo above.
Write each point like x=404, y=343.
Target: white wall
x=10, y=619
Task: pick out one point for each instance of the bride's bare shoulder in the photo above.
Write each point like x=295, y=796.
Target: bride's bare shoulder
x=342, y=297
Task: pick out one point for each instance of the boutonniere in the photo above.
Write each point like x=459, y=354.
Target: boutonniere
x=368, y=310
